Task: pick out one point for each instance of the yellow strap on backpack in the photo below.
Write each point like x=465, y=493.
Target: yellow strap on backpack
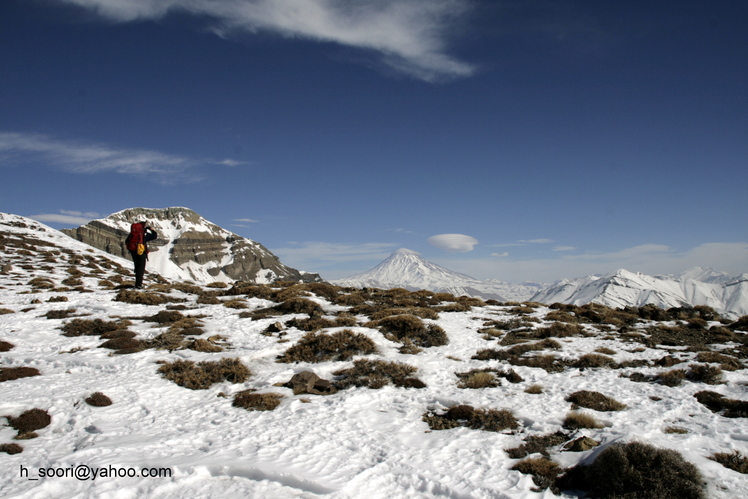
x=141, y=249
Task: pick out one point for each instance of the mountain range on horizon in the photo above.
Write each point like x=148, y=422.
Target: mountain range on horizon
x=192, y=248
x=696, y=286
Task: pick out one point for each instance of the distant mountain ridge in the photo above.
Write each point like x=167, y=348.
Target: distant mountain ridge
x=408, y=269
x=726, y=294
x=189, y=247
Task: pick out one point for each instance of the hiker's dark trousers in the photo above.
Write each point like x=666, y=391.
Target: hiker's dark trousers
x=139, y=262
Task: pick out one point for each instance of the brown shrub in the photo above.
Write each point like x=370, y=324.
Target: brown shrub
x=341, y=345
x=165, y=317
x=98, y=399
x=560, y=316
x=549, y=363
x=476, y=419
x=376, y=374
x=235, y=304
x=594, y=360
x=169, y=340
x=595, y=400
x=204, y=374
x=637, y=470
x=87, y=327
x=411, y=327
x=11, y=373
x=534, y=389
x=28, y=421
x=59, y=314
x=717, y=402
x=523, y=348
x=537, y=444
x=11, y=448
x=477, y=379
x=544, y=471
x=140, y=297
x=5, y=311
x=5, y=346
x=560, y=330
x=605, y=351
x=675, y=430
x=201, y=345
x=673, y=377
x=705, y=374
x=251, y=401
x=726, y=362
x=733, y=460
x=123, y=343
x=311, y=323
x=575, y=420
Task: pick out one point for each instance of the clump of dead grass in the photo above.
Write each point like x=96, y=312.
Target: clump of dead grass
x=321, y=347
x=400, y=327
x=575, y=420
x=11, y=373
x=141, y=297
x=544, y=472
x=376, y=374
x=89, y=327
x=637, y=470
x=734, y=460
x=28, y=422
x=6, y=346
x=251, y=401
x=204, y=374
x=595, y=400
x=537, y=444
x=98, y=399
x=470, y=417
x=11, y=448
x=716, y=402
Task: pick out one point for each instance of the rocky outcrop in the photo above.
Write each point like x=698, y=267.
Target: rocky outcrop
x=190, y=247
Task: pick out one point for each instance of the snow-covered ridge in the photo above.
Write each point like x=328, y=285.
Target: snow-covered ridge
x=190, y=247
x=408, y=269
x=697, y=286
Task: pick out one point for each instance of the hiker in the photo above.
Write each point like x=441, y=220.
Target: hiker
x=136, y=243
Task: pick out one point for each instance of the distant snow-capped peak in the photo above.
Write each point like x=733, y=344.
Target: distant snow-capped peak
x=407, y=269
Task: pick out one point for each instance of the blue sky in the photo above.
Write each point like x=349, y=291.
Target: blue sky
x=516, y=140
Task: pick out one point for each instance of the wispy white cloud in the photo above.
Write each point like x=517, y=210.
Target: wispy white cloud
x=246, y=220
x=536, y=241
x=504, y=254
x=564, y=248
x=410, y=36
x=80, y=157
x=67, y=217
x=453, y=243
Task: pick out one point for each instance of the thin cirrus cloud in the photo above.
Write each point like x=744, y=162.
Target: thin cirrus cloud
x=67, y=217
x=453, y=243
x=81, y=157
x=409, y=36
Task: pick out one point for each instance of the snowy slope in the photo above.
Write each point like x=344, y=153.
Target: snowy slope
x=623, y=288
x=357, y=442
x=408, y=269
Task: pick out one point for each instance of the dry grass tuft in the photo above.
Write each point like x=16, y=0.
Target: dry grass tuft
x=251, y=401
x=478, y=379
x=5, y=346
x=98, y=399
x=201, y=345
x=726, y=362
x=717, y=402
x=544, y=471
x=575, y=420
x=204, y=374
x=11, y=448
x=733, y=460
x=11, y=373
x=320, y=347
x=637, y=470
x=675, y=430
x=376, y=374
x=537, y=444
x=400, y=327
x=28, y=421
x=595, y=400
x=476, y=419
x=87, y=327
x=140, y=297
x=534, y=389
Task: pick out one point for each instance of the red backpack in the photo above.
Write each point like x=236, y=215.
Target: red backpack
x=136, y=240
